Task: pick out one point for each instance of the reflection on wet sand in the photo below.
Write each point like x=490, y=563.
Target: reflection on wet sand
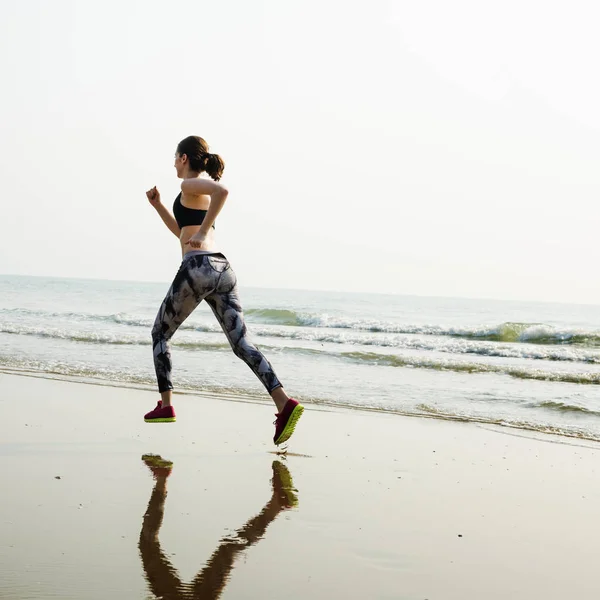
x=211, y=580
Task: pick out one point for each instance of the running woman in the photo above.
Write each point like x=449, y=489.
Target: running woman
x=205, y=274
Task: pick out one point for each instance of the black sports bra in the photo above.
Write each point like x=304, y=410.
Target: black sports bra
x=187, y=216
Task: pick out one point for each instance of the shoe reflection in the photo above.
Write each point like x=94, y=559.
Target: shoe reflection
x=210, y=582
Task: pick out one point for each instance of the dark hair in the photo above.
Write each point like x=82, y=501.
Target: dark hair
x=196, y=149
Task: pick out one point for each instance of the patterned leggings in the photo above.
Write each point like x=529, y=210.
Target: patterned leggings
x=206, y=277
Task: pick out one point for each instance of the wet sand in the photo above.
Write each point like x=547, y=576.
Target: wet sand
x=364, y=505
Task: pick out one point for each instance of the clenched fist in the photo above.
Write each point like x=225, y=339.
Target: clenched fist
x=153, y=196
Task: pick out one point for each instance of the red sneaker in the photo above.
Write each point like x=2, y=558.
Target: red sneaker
x=286, y=421
x=161, y=414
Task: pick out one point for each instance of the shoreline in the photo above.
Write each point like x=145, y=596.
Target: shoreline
x=321, y=405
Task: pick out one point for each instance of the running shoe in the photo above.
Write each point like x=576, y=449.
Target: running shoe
x=286, y=421
x=161, y=414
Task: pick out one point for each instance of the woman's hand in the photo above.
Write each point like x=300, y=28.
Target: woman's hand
x=197, y=241
x=153, y=196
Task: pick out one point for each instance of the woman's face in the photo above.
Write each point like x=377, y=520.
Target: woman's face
x=179, y=164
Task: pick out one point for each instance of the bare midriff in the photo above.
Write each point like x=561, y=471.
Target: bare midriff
x=197, y=203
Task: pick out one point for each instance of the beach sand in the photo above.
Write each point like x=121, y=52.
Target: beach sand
x=381, y=506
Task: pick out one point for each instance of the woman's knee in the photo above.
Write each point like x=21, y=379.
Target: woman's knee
x=246, y=351
x=237, y=350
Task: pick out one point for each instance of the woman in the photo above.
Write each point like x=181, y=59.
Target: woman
x=206, y=274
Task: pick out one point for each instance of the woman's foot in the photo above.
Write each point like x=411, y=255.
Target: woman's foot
x=161, y=414
x=286, y=421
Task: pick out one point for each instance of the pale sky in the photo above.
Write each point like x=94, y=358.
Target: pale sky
x=422, y=147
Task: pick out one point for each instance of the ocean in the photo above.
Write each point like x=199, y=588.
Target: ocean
x=524, y=365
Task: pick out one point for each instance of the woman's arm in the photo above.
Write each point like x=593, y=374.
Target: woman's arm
x=168, y=219
x=218, y=194
x=153, y=196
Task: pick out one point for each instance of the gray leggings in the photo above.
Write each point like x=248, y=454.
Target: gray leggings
x=206, y=277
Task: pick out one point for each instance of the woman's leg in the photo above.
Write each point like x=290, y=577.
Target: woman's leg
x=227, y=309
x=192, y=283
x=210, y=277
x=225, y=303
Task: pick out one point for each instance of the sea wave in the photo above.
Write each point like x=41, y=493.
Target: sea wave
x=566, y=407
x=131, y=320
x=589, y=377
x=508, y=332
x=362, y=357
x=511, y=332
x=92, y=337
x=312, y=336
